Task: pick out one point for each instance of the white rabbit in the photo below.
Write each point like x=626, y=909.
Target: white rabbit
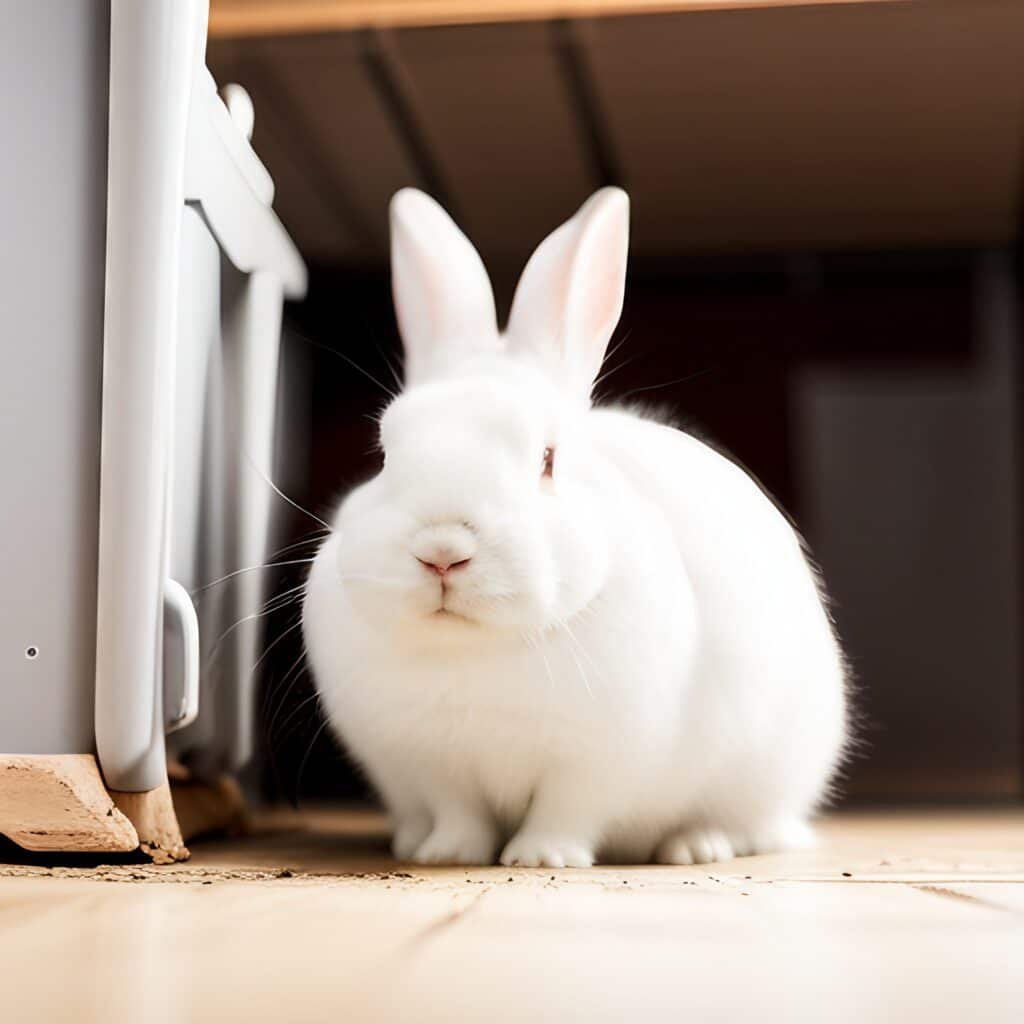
x=557, y=633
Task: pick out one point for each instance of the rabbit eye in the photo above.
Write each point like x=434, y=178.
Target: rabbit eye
x=549, y=462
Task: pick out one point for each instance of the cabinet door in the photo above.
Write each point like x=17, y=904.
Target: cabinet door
x=52, y=211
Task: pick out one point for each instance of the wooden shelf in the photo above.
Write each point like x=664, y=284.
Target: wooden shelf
x=241, y=18
x=886, y=125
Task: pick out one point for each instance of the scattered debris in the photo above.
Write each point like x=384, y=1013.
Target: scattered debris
x=180, y=875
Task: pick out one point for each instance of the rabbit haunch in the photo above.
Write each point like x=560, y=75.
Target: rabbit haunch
x=624, y=658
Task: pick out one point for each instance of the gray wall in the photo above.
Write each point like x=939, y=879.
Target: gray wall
x=913, y=478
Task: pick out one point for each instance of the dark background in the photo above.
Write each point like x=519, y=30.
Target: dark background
x=823, y=278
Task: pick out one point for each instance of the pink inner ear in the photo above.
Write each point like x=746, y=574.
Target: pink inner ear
x=570, y=295
x=597, y=293
x=442, y=294
x=604, y=305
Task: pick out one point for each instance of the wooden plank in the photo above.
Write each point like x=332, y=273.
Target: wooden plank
x=503, y=952
x=936, y=847
x=152, y=814
x=507, y=945
x=59, y=802
x=883, y=126
x=871, y=125
x=1005, y=896
x=234, y=18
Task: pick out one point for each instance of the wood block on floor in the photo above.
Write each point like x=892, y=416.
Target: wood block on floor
x=152, y=814
x=58, y=802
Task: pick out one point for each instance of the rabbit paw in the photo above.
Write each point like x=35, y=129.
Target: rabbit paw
x=781, y=836
x=705, y=845
x=533, y=851
x=466, y=842
x=409, y=836
x=697, y=846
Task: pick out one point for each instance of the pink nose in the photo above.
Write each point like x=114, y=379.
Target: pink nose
x=442, y=548
x=442, y=565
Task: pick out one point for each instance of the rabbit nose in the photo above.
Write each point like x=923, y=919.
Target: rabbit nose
x=442, y=565
x=444, y=550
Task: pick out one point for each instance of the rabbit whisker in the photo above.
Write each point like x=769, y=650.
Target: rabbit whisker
x=311, y=537
x=286, y=686
x=291, y=629
x=537, y=644
x=274, y=604
x=304, y=703
x=610, y=354
x=669, y=383
x=249, y=568
x=615, y=369
x=572, y=653
x=309, y=750
x=341, y=355
x=277, y=490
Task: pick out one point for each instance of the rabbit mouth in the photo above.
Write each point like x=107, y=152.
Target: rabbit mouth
x=446, y=613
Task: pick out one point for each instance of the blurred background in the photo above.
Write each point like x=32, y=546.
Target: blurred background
x=824, y=278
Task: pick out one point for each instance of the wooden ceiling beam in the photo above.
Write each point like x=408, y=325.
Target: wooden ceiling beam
x=240, y=18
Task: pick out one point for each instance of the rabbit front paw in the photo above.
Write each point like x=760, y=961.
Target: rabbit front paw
x=538, y=851
x=409, y=836
x=462, y=842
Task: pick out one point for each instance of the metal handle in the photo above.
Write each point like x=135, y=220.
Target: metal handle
x=179, y=608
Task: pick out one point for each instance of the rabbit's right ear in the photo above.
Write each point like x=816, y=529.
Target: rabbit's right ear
x=442, y=294
x=569, y=298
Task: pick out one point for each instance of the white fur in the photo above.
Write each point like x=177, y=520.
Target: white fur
x=635, y=662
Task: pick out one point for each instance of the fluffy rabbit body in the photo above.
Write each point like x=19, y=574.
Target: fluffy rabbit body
x=552, y=633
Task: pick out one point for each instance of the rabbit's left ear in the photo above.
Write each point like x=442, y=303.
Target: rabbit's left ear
x=569, y=297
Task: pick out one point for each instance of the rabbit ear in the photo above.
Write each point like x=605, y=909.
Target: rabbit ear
x=569, y=297
x=442, y=294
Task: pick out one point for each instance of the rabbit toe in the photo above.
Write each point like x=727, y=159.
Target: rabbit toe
x=696, y=846
x=466, y=843
x=528, y=851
